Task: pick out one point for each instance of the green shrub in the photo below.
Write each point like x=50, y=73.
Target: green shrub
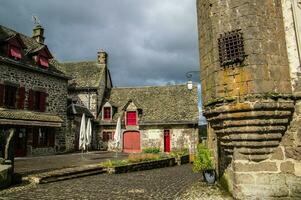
x=202, y=159
x=179, y=152
x=114, y=163
x=154, y=150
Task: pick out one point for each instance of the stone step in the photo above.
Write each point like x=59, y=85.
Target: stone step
x=64, y=174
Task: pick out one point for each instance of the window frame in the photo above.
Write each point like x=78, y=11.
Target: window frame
x=105, y=115
x=128, y=118
x=10, y=97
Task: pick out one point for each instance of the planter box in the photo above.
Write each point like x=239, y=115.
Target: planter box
x=182, y=160
x=142, y=166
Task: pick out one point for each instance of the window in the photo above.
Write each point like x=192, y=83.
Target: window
x=107, y=113
x=43, y=61
x=106, y=136
x=43, y=137
x=37, y=101
x=14, y=52
x=231, y=48
x=131, y=118
x=10, y=96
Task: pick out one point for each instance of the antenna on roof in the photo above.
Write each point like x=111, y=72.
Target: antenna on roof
x=36, y=20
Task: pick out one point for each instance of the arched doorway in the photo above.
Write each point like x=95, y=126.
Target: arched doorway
x=131, y=142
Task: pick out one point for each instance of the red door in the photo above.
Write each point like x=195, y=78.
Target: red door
x=131, y=142
x=166, y=141
x=20, y=142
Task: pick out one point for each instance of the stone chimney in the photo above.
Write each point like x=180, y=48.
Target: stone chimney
x=38, y=34
x=102, y=57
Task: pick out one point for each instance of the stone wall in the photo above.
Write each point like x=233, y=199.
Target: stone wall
x=56, y=102
x=87, y=99
x=252, y=109
x=181, y=136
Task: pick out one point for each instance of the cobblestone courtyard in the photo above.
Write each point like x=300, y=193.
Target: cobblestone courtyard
x=167, y=183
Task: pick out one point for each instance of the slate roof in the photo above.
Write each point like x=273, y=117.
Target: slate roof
x=159, y=104
x=75, y=109
x=31, y=46
x=28, y=115
x=85, y=74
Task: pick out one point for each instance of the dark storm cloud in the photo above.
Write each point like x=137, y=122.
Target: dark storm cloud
x=149, y=42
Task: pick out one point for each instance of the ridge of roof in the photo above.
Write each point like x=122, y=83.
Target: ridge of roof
x=150, y=86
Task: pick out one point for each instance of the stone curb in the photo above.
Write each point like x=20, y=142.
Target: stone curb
x=64, y=174
x=87, y=170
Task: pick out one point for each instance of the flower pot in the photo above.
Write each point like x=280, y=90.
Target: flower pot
x=209, y=176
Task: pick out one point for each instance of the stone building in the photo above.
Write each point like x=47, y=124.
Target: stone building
x=153, y=116
x=250, y=69
x=30, y=85
x=89, y=82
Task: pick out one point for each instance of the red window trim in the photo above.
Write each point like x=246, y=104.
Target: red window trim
x=131, y=118
x=43, y=61
x=107, y=113
x=14, y=52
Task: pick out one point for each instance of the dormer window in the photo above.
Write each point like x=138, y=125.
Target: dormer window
x=14, y=52
x=107, y=113
x=43, y=61
x=131, y=118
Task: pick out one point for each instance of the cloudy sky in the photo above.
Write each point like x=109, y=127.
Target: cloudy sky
x=149, y=42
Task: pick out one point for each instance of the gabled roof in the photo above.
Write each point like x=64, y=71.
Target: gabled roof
x=159, y=104
x=85, y=74
x=31, y=45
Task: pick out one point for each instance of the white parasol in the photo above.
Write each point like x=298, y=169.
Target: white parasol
x=88, y=133
x=82, y=133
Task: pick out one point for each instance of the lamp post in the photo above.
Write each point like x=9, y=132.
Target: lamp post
x=189, y=76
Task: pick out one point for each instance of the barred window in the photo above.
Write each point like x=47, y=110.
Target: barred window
x=231, y=48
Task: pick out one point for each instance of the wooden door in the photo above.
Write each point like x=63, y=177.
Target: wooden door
x=166, y=141
x=131, y=142
x=20, y=144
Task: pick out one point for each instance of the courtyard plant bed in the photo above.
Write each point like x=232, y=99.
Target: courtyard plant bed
x=181, y=156
x=138, y=162
x=203, y=163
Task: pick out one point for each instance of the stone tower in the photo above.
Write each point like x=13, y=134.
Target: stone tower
x=250, y=95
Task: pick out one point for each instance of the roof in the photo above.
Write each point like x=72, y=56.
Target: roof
x=23, y=117
x=31, y=45
x=159, y=104
x=75, y=109
x=85, y=74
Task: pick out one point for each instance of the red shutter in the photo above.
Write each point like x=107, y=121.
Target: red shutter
x=21, y=98
x=131, y=118
x=15, y=52
x=42, y=105
x=43, y=61
x=107, y=113
x=30, y=99
x=1, y=94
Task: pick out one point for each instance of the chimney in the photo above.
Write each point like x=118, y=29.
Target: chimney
x=102, y=57
x=38, y=34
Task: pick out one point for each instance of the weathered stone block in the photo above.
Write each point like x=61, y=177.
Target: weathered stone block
x=244, y=179
x=294, y=153
x=255, y=167
x=287, y=167
x=5, y=175
x=278, y=154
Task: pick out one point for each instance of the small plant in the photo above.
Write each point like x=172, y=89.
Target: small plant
x=114, y=163
x=151, y=150
x=179, y=152
x=203, y=159
x=135, y=158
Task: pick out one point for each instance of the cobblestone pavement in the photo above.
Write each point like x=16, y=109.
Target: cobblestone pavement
x=29, y=165
x=166, y=183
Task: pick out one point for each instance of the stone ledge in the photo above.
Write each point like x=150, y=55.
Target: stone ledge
x=142, y=166
x=256, y=167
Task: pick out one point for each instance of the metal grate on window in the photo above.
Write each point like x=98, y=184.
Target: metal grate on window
x=231, y=48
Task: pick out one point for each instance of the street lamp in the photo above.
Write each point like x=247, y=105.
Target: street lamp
x=189, y=76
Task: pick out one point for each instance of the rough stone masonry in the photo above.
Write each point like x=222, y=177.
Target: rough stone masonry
x=250, y=86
